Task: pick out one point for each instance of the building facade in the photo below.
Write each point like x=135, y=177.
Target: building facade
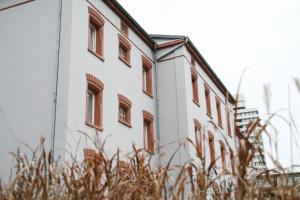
x=246, y=116
x=85, y=70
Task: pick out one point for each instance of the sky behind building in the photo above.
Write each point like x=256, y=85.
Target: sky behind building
x=233, y=35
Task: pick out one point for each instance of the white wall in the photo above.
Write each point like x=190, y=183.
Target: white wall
x=117, y=77
x=28, y=39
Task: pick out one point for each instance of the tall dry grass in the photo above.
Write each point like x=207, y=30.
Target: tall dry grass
x=40, y=176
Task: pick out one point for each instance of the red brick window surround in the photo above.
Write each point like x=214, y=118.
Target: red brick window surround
x=198, y=138
x=124, y=50
x=223, y=156
x=193, y=63
x=124, y=110
x=218, y=105
x=89, y=155
x=228, y=122
x=124, y=28
x=95, y=37
x=232, y=162
x=94, y=104
x=148, y=131
x=147, y=76
x=207, y=100
x=211, y=148
x=195, y=85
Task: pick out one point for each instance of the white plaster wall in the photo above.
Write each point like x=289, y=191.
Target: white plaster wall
x=117, y=77
x=28, y=39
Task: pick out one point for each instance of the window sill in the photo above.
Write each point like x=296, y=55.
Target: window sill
x=96, y=54
x=148, y=151
x=196, y=102
x=209, y=115
x=93, y=126
x=125, y=61
x=125, y=123
x=148, y=94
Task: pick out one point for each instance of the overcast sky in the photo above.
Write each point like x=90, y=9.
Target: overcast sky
x=263, y=35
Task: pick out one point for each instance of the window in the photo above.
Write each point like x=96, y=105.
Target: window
x=124, y=28
x=124, y=50
x=148, y=132
x=124, y=110
x=207, y=99
x=195, y=85
x=147, y=76
x=94, y=102
x=198, y=138
x=228, y=122
x=223, y=156
x=211, y=148
x=232, y=162
x=218, y=104
x=96, y=23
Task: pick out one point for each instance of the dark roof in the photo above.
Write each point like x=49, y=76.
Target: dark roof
x=205, y=65
x=124, y=15
x=149, y=39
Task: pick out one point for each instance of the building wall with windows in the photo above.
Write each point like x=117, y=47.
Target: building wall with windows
x=115, y=82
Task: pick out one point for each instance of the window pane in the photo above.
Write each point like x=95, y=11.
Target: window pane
x=146, y=145
x=93, y=32
x=91, y=100
x=122, y=52
x=122, y=113
x=145, y=80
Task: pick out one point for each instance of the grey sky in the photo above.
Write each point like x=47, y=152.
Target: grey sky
x=263, y=35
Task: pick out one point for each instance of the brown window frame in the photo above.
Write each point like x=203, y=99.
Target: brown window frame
x=232, y=162
x=223, y=156
x=126, y=46
x=96, y=86
x=125, y=104
x=198, y=138
x=194, y=78
x=228, y=122
x=219, y=112
x=211, y=144
x=125, y=26
x=147, y=68
x=148, y=119
x=96, y=20
x=207, y=100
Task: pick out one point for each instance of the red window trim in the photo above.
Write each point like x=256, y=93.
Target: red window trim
x=147, y=66
x=219, y=112
x=125, y=103
x=97, y=20
x=89, y=154
x=97, y=87
x=228, y=122
x=127, y=46
x=223, y=156
x=194, y=77
x=207, y=100
x=126, y=28
x=211, y=144
x=148, y=118
x=193, y=62
x=198, y=144
x=232, y=162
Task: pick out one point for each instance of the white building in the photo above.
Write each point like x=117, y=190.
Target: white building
x=74, y=67
x=246, y=116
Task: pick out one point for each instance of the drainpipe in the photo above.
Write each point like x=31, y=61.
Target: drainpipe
x=56, y=78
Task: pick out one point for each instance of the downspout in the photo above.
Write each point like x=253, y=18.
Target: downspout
x=158, y=164
x=156, y=95
x=56, y=74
